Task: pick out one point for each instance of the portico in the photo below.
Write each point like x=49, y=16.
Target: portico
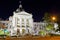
x=22, y=21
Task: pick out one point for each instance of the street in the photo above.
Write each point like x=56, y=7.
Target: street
x=32, y=38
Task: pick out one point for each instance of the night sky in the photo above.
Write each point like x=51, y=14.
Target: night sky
x=36, y=7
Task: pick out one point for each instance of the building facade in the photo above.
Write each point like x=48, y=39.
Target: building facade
x=21, y=23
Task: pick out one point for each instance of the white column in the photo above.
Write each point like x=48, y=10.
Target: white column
x=26, y=26
x=13, y=21
x=21, y=31
x=20, y=23
x=25, y=22
x=20, y=26
x=16, y=22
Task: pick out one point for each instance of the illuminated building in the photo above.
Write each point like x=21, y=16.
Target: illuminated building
x=21, y=23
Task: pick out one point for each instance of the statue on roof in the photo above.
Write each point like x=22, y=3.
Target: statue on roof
x=20, y=8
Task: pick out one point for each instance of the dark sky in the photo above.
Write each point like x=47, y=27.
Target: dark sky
x=36, y=7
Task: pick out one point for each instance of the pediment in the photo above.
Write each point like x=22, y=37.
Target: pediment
x=23, y=13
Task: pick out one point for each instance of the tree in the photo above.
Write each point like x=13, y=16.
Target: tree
x=49, y=27
x=58, y=21
x=46, y=17
x=3, y=27
x=42, y=32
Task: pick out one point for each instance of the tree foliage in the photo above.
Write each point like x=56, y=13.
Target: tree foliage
x=49, y=27
x=46, y=17
x=42, y=33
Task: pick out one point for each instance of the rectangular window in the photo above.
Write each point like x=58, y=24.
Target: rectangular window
x=22, y=20
x=27, y=21
x=18, y=25
x=10, y=26
x=27, y=25
x=23, y=31
x=18, y=21
x=23, y=26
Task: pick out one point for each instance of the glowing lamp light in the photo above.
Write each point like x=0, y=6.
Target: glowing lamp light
x=53, y=18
